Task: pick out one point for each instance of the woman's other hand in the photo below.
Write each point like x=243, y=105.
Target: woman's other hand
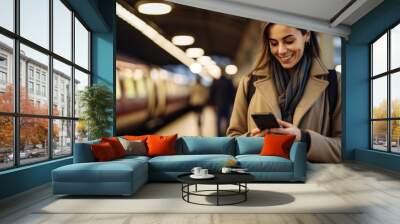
x=287, y=129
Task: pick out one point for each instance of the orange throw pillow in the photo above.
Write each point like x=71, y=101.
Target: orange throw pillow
x=161, y=145
x=103, y=152
x=116, y=145
x=277, y=145
x=135, y=138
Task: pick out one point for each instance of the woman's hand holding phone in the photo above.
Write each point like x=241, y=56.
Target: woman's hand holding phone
x=287, y=129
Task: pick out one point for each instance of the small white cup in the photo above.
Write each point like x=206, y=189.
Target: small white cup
x=226, y=170
x=196, y=170
x=203, y=172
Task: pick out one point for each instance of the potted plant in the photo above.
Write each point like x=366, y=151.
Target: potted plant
x=96, y=102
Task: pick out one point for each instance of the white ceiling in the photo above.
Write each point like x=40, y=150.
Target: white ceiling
x=315, y=15
x=324, y=9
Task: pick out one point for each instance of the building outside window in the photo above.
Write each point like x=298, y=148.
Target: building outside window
x=38, y=89
x=55, y=97
x=37, y=74
x=44, y=77
x=385, y=92
x=43, y=90
x=3, y=72
x=57, y=135
x=3, y=81
x=3, y=78
x=30, y=87
x=3, y=61
x=30, y=72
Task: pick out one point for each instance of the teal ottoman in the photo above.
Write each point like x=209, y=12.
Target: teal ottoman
x=118, y=177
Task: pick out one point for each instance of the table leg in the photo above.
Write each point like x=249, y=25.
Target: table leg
x=196, y=188
x=217, y=194
x=182, y=189
x=188, y=189
x=245, y=193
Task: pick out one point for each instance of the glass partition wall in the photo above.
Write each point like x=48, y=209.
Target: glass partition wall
x=44, y=64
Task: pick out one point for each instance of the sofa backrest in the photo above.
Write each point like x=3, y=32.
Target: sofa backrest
x=194, y=145
x=190, y=145
x=249, y=145
x=83, y=152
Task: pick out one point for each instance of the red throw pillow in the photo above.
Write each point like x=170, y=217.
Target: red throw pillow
x=277, y=145
x=103, y=151
x=161, y=145
x=116, y=145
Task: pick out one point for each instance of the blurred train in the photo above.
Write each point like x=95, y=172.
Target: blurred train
x=148, y=96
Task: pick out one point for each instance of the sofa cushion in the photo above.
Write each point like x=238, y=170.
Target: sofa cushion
x=185, y=163
x=249, y=145
x=132, y=158
x=195, y=145
x=257, y=163
x=112, y=171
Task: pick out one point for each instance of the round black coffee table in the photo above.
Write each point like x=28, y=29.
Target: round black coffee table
x=238, y=179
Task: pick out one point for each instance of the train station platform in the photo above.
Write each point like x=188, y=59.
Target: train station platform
x=186, y=125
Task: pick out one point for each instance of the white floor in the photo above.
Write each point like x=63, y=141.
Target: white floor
x=376, y=189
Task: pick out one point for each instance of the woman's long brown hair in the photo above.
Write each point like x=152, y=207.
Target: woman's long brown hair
x=311, y=49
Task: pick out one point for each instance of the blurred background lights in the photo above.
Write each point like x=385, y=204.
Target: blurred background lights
x=195, y=68
x=183, y=40
x=231, y=69
x=194, y=52
x=214, y=70
x=154, y=8
x=205, y=60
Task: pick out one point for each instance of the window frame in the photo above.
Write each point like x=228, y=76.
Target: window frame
x=16, y=114
x=388, y=74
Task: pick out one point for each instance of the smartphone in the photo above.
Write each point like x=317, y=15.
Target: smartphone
x=265, y=121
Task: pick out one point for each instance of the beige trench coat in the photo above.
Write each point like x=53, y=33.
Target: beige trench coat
x=311, y=114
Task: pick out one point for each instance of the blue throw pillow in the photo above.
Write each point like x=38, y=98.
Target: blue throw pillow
x=194, y=145
x=249, y=145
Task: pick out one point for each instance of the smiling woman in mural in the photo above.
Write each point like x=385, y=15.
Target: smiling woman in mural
x=291, y=82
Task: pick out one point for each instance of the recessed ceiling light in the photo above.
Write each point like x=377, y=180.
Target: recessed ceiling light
x=183, y=40
x=154, y=8
x=194, y=52
x=231, y=69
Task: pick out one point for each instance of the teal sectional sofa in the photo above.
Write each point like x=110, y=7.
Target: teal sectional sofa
x=125, y=176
